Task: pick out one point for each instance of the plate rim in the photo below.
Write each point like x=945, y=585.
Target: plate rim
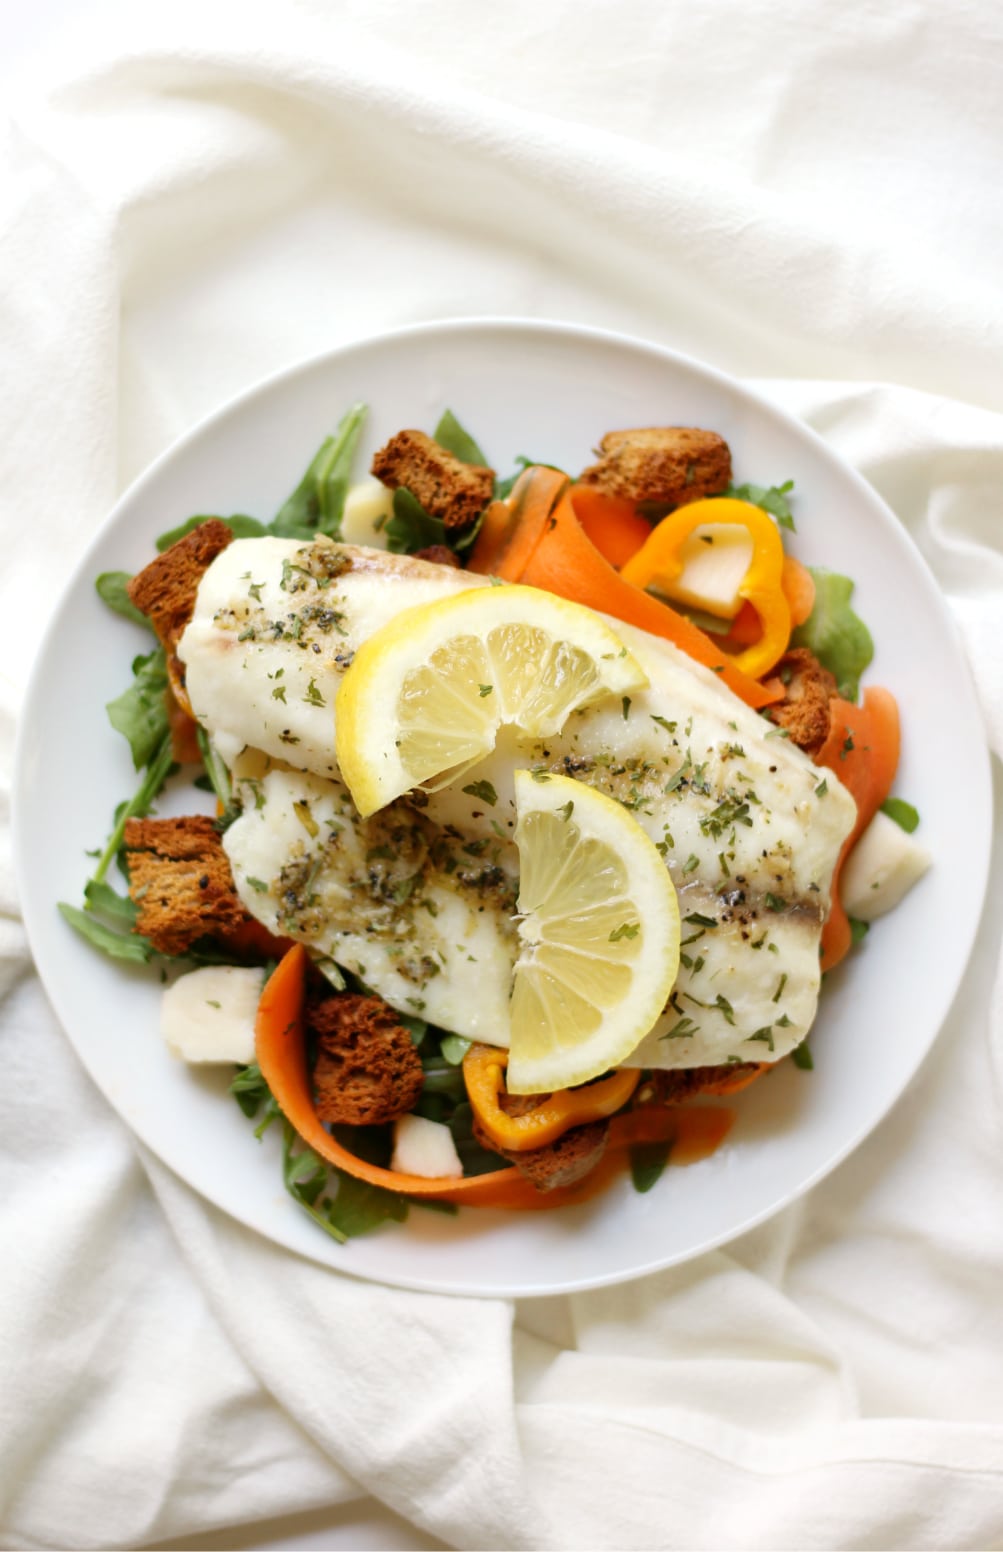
x=980, y=780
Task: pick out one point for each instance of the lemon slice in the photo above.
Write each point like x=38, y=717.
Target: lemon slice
x=425, y=696
x=599, y=928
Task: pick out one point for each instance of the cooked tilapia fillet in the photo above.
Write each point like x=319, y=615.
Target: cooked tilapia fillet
x=418, y=899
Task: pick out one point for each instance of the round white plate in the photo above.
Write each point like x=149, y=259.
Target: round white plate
x=548, y=391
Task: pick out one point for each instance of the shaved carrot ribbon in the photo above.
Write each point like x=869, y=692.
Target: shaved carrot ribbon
x=863, y=750
x=281, y=1052
x=535, y=537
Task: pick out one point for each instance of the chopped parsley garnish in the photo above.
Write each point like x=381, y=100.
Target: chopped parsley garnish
x=765, y=1035
x=482, y=790
x=903, y=813
x=625, y=930
x=681, y=1031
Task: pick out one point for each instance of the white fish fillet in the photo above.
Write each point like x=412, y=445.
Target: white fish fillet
x=418, y=899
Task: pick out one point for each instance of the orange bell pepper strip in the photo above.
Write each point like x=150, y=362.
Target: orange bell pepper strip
x=863, y=750
x=613, y=523
x=660, y=563
x=484, y=1075
x=799, y=590
x=534, y=537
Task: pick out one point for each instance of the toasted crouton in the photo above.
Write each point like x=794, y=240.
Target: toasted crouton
x=673, y=1086
x=451, y=490
x=165, y=589
x=180, y=879
x=556, y=1164
x=804, y=711
x=670, y=465
x=368, y=1071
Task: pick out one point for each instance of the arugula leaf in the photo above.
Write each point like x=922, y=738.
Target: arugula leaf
x=647, y=1161
x=360, y=1207
x=140, y=712
x=416, y=1027
x=451, y=435
x=304, y=1176
x=839, y=639
x=411, y=527
x=475, y=1159
x=858, y=930
x=160, y=767
x=118, y=945
x=503, y=488
x=250, y=1090
x=903, y=813
x=240, y=525
x=801, y=1057
x=454, y=1048
x=219, y=779
x=317, y=503
x=101, y=897
x=772, y=499
x=112, y=589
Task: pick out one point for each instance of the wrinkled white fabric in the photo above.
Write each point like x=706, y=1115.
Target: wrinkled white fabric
x=192, y=196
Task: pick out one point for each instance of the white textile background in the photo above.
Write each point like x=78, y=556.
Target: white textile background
x=194, y=195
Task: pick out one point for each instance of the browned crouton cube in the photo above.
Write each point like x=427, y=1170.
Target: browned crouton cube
x=451, y=490
x=804, y=711
x=165, y=589
x=180, y=879
x=674, y=1086
x=669, y=465
x=368, y=1071
x=560, y=1163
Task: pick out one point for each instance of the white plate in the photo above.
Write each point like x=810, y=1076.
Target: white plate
x=548, y=391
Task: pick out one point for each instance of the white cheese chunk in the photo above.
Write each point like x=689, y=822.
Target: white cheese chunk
x=881, y=869
x=368, y=508
x=715, y=558
x=424, y=1148
x=208, y=1015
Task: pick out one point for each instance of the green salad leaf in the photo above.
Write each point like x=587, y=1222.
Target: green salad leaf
x=112, y=589
x=647, y=1161
x=118, y=945
x=452, y=436
x=411, y=527
x=140, y=712
x=772, y=499
x=903, y=813
x=317, y=503
x=359, y=1207
x=838, y=637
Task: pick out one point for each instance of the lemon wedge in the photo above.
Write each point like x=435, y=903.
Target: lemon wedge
x=425, y=696
x=598, y=922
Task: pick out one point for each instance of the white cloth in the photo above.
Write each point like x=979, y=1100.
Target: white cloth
x=194, y=195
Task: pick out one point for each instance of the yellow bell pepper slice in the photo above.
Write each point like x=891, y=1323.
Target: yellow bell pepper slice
x=484, y=1075
x=658, y=564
